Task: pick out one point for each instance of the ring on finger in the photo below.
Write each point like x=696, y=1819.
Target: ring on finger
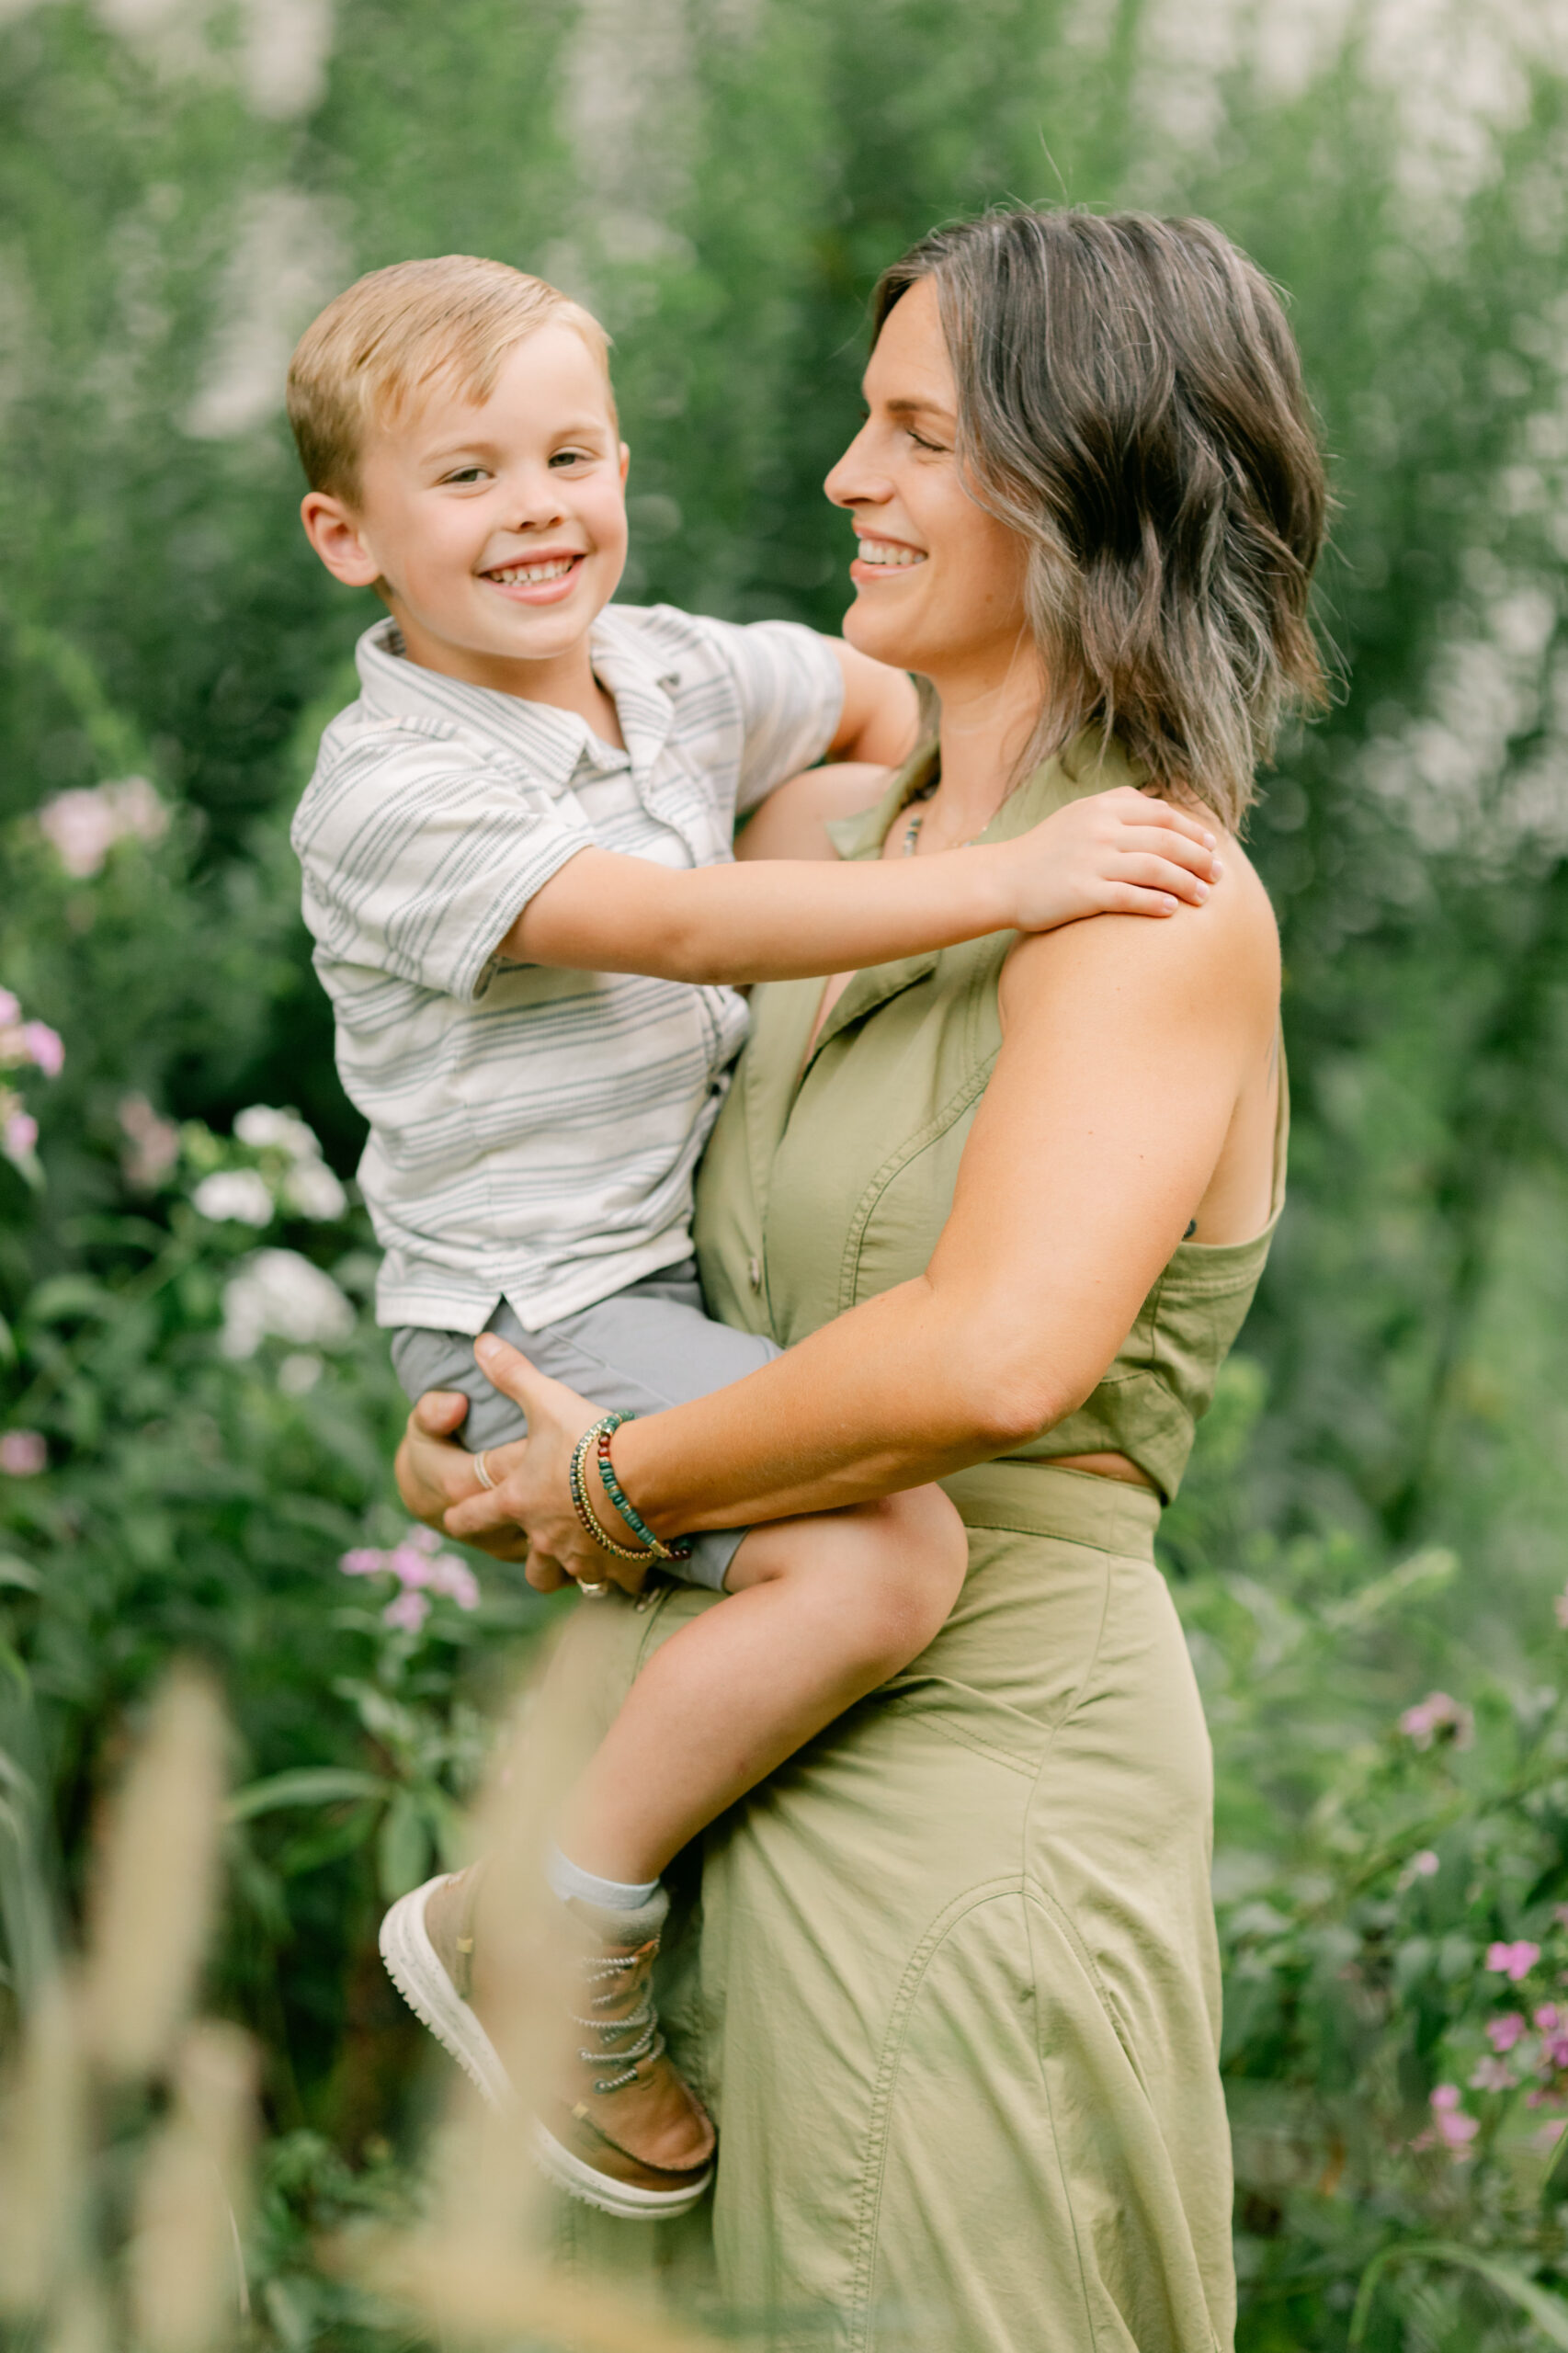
x=481, y=1469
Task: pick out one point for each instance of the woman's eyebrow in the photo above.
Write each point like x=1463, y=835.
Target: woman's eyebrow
x=910, y=404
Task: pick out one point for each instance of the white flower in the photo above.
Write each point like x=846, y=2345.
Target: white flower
x=266, y=1130
x=300, y=1373
x=238, y=1193
x=84, y=826
x=279, y=1295
x=313, y=1190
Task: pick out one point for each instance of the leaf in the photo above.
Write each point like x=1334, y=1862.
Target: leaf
x=1548, y=2312
x=1418, y=1578
x=66, y=1295
x=21, y=1573
x=310, y=1785
x=402, y=1849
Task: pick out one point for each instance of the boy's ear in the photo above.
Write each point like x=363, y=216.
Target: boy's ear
x=334, y=531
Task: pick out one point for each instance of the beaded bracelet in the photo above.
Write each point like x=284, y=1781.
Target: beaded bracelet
x=679, y=1547
x=584, y=1509
x=654, y=1549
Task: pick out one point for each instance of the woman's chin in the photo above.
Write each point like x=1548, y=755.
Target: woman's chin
x=876, y=633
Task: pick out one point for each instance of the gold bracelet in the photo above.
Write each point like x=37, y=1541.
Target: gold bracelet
x=584, y=1509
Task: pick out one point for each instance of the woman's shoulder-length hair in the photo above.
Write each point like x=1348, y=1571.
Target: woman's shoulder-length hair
x=1130, y=403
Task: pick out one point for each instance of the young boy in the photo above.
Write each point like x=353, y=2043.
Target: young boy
x=517, y=853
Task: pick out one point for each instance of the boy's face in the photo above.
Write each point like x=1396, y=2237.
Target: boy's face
x=496, y=528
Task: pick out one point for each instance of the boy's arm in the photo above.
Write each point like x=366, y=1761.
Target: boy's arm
x=779, y=919
x=879, y=720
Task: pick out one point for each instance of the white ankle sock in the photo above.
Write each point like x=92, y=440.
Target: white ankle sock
x=567, y=1879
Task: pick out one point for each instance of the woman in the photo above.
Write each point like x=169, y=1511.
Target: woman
x=955, y=1996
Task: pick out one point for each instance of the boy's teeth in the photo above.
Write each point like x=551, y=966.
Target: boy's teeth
x=889, y=552
x=525, y=574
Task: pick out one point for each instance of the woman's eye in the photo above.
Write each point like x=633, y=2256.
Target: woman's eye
x=921, y=443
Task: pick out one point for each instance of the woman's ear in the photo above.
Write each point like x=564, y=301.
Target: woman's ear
x=337, y=536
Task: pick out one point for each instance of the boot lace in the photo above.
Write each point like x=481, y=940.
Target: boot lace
x=620, y=2043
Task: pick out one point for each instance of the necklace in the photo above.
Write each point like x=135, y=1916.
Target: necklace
x=917, y=818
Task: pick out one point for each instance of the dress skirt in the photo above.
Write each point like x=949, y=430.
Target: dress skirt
x=948, y=1980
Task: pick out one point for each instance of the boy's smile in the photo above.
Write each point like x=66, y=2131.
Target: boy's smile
x=497, y=529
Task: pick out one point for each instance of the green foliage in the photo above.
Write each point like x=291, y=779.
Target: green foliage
x=1375, y=1508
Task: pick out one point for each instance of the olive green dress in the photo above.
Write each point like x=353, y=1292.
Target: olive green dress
x=953, y=1987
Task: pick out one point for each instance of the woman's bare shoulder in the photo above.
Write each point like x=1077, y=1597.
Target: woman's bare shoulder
x=1225, y=953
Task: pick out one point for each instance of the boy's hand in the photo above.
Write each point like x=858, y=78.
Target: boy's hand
x=1114, y=853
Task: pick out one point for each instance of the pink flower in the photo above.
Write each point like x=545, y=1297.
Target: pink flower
x=1504, y=2032
x=10, y=1010
x=1454, y=2128
x=1438, y=1716
x=410, y=1564
x=1555, y=2052
x=23, y=1453
x=421, y=1540
x=408, y=1612
x=455, y=1580
x=44, y=1047
x=1493, y=2076
x=1424, y=1863
x=1515, y=1960
x=20, y=1134
x=1545, y=2018
x=363, y=1562
x=152, y=1144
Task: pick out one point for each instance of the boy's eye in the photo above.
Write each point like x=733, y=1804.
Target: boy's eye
x=572, y=458
x=465, y=474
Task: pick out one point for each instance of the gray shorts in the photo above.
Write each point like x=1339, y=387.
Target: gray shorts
x=646, y=1347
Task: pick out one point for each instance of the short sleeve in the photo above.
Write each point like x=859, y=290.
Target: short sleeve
x=791, y=691
x=419, y=854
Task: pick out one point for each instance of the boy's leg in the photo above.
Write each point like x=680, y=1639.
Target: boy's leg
x=822, y=1611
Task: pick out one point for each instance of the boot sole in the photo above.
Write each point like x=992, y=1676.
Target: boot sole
x=414, y=1967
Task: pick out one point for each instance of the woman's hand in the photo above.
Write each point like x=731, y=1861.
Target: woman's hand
x=528, y=1513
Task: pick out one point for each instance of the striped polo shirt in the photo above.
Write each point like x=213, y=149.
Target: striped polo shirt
x=534, y=1132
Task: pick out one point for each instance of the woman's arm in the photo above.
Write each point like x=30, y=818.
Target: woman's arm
x=1127, y=1048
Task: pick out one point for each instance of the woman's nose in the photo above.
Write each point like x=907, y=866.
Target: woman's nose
x=855, y=481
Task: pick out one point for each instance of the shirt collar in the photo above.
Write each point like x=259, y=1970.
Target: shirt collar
x=553, y=743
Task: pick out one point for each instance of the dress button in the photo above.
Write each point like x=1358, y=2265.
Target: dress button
x=753, y=1268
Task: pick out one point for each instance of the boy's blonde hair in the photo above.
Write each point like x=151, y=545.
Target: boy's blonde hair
x=396, y=333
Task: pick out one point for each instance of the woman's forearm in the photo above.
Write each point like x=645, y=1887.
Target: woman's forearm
x=913, y=1400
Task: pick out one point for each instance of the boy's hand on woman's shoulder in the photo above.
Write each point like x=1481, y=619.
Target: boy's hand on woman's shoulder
x=1120, y=852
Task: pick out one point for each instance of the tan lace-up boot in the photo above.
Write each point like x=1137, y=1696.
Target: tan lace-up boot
x=623, y=2131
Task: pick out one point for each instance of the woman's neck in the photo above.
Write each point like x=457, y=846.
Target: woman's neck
x=988, y=716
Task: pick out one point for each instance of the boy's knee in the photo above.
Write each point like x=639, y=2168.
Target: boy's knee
x=914, y=1553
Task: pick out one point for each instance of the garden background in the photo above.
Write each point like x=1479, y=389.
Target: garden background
x=197, y=1416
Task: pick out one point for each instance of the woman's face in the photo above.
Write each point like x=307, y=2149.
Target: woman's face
x=938, y=582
